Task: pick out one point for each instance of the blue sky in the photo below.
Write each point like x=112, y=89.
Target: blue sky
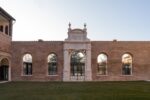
x=125, y=20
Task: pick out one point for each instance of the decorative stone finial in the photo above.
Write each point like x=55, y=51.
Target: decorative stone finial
x=69, y=29
x=69, y=25
x=85, y=26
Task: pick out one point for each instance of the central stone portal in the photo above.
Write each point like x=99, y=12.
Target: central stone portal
x=77, y=56
x=77, y=64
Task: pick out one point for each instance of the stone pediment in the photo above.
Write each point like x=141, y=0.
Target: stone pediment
x=77, y=35
x=77, y=30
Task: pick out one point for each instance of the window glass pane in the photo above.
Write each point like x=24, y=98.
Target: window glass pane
x=52, y=64
x=27, y=58
x=24, y=69
x=29, y=69
x=77, y=63
x=27, y=64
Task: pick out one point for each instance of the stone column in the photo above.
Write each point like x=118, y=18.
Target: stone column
x=66, y=70
x=9, y=69
x=9, y=72
x=88, y=70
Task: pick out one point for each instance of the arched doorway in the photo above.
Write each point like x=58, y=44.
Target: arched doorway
x=4, y=65
x=77, y=65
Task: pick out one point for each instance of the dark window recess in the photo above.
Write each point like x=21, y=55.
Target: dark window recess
x=126, y=70
x=27, y=68
x=52, y=68
x=6, y=30
x=1, y=28
x=52, y=64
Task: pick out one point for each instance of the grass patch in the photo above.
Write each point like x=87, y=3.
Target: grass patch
x=75, y=91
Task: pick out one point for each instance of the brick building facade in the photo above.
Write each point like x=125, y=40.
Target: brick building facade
x=77, y=58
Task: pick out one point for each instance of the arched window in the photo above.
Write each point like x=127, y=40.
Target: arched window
x=102, y=64
x=6, y=30
x=27, y=64
x=52, y=64
x=126, y=64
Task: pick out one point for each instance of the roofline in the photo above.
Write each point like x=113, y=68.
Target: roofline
x=6, y=14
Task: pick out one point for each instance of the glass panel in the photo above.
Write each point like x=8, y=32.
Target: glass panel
x=27, y=58
x=29, y=69
x=52, y=64
x=27, y=64
x=24, y=69
x=77, y=64
x=52, y=58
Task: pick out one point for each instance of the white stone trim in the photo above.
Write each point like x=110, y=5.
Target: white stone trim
x=66, y=70
x=8, y=57
x=70, y=47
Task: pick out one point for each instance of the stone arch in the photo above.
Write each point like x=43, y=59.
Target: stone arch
x=4, y=69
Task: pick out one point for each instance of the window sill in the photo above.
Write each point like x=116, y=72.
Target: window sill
x=26, y=75
x=126, y=75
x=102, y=75
x=52, y=75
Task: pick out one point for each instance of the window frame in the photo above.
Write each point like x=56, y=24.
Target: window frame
x=52, y=65
x=27, y=66
x=130, y=67
x=97, y=64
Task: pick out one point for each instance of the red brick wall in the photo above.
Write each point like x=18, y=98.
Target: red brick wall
x=39, y=52
x=141, y=59
x=5, y=43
